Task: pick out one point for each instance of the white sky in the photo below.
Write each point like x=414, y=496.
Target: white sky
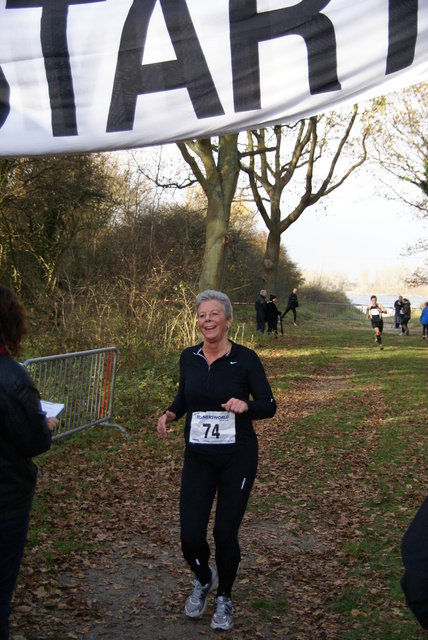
x=355, y=229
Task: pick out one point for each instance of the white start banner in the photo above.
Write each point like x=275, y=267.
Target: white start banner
x=97, y=75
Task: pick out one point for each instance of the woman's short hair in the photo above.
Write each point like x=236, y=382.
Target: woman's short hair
x=211, y=294
x=13, y=320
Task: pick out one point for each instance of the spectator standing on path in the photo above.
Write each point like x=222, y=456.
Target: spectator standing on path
x=272, y=314
x=217, y=380
x=292, y=305
x=424, y=321
x=398, y=306
x=375, y=313
x=24, y=432
x=261, y=304
x=405, y=317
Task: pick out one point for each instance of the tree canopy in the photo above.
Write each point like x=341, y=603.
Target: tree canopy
x=401, y=150
x=292, y=167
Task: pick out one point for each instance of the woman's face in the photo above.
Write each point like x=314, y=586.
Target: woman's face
x=212, y=321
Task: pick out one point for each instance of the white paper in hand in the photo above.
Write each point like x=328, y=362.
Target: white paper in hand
x=52, y=409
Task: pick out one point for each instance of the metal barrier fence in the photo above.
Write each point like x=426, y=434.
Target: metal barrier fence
x=355, y=312
x=84, y=382
x=335, y=310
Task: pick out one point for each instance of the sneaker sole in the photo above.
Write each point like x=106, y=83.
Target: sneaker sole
x=219, y=627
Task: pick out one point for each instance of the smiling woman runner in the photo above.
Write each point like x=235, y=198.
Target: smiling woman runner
x=217, y=379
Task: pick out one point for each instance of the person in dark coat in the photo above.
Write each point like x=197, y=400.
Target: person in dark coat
x=24, y=432
x=261, y=304
x=405, y=317
x=292, y=305
x=272, y=314
x=414, y=552
x=398, y=307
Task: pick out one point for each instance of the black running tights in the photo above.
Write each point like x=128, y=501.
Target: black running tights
x=231, y=475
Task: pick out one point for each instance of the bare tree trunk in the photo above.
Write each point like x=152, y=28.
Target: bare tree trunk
x=271, y=260
x=216, y=241
x=219, y=179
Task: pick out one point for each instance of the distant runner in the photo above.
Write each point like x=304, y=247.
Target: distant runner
x=375, y=313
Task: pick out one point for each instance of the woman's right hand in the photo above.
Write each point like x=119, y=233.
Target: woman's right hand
x=165, y=418
x=52, y=423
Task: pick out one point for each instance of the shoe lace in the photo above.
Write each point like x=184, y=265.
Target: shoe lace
x=223, y=607
x=197, y=590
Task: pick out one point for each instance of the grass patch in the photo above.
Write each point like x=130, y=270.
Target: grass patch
x=362, y=456
x=270, y=608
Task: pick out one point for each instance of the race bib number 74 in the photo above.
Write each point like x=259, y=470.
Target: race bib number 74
x=212, y=427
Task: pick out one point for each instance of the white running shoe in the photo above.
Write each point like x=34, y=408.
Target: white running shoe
x=196, y=603
x=222, y=619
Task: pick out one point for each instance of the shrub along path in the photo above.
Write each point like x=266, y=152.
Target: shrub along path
x=320, y=539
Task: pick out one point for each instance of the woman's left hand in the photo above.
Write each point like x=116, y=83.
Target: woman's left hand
x=235, y=405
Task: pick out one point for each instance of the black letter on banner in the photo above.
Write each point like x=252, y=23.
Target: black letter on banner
x=4, y=98
x=403, y=31
x=57, y=60
x=248, y=28
x=189, y=71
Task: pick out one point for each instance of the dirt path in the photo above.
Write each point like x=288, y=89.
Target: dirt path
x=125, y=577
